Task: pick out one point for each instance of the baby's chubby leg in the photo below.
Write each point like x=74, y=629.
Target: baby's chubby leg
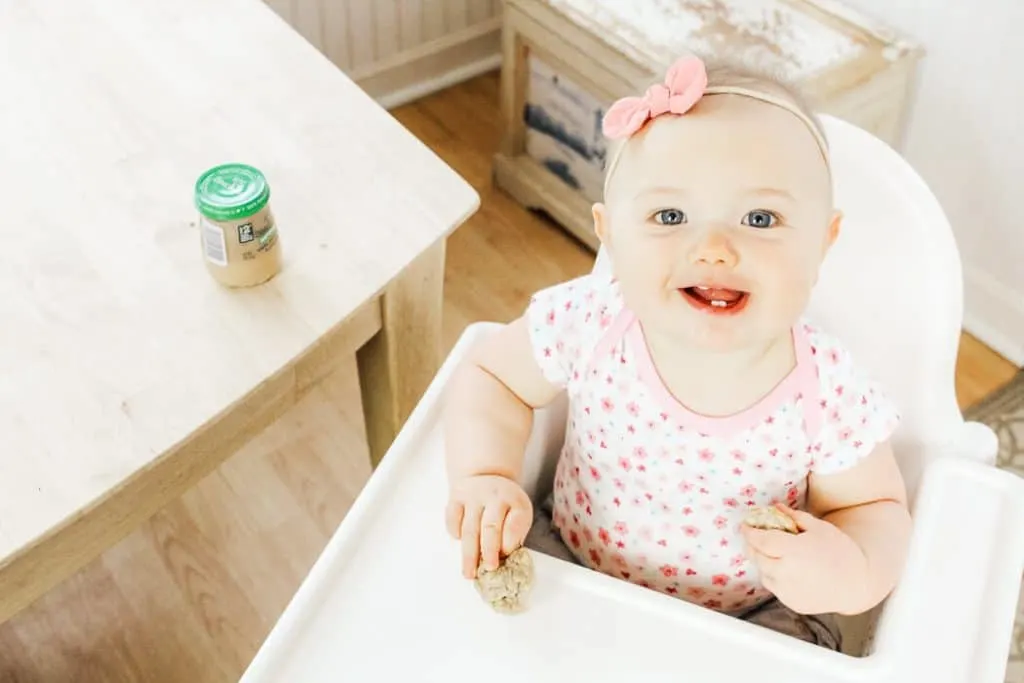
x=818, y=629
x=543, y=537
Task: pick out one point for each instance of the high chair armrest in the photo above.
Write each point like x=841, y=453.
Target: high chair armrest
x=952, y=615
x=977, y=442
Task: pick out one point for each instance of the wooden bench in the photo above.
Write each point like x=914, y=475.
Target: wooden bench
x=565, y=61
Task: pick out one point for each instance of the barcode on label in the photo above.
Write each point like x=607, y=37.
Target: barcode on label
x=213, y=244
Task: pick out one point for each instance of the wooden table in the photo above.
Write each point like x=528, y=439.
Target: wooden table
x=126, y=372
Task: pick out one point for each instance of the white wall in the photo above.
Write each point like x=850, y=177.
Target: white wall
x=398, y=50
x=966, y=138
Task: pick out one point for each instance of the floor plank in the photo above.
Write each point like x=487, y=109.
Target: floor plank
x=191, y=594
x=980, y=371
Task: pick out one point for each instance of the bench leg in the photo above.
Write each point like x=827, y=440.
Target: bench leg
x=400, y=361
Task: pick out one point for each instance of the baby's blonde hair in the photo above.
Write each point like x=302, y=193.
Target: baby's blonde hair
x=727, y=75
x=738, y=78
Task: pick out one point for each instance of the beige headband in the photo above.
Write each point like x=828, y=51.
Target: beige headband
x=685, y=84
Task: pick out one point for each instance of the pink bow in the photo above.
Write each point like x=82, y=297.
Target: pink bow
x=683, y=87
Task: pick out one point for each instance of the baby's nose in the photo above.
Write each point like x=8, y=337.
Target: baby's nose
x=714, y=247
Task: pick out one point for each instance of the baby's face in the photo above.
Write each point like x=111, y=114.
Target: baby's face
x=717, y=223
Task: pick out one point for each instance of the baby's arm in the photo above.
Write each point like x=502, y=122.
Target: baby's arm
x=868, y=502
x=488, y=420
x=489, y=411
x=489, y=414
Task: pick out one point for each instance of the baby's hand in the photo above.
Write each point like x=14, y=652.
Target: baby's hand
x=816, y=571
x=492, y=515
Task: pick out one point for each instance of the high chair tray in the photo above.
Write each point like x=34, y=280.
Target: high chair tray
x=386, y=598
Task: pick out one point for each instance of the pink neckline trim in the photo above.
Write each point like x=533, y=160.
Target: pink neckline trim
x=801, y=381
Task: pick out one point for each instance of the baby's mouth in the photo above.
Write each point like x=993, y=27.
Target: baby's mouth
x=716, y=299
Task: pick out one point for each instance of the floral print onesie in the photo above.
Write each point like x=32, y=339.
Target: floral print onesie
x=652, y=493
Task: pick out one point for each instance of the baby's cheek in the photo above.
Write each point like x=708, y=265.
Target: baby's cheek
x=794, y=294
x=642, y=288
x=791, y=283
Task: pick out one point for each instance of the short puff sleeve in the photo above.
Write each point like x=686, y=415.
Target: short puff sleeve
x=857, y=414
x=565, y=323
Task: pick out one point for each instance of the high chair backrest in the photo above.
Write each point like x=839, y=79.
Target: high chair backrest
x=891, y=289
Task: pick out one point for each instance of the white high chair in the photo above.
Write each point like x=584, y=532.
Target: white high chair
x=386, y=598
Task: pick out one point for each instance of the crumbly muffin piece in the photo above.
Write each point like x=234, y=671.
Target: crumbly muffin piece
x=771, y=518
x=507, y=588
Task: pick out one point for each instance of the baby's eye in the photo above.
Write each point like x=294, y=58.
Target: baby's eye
x=670, y=217
x=760, y=219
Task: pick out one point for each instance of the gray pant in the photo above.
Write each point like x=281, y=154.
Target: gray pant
x=817, y=629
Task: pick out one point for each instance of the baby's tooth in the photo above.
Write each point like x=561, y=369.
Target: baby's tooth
x=717, y=302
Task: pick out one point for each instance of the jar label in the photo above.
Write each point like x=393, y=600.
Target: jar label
x=213, y=243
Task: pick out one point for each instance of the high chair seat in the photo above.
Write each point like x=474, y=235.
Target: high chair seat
x=386, y=597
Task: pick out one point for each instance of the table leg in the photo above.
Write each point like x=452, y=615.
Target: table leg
x=400, y=361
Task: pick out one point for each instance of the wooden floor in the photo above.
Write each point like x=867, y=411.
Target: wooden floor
x=190, y=596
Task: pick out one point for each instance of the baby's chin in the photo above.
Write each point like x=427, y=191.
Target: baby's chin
x=712, y=340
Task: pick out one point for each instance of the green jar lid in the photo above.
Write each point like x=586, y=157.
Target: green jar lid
x=231, y=191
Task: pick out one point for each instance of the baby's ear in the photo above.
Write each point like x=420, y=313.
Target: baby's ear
x=600, y=214
x=833, y=228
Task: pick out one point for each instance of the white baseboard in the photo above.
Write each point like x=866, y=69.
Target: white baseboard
x=994, y=313
x=433, y=66
x=415, y=91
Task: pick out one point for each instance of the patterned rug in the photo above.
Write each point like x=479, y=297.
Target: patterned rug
x=1003, y=411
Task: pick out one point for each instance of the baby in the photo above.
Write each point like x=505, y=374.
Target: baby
x=697, y=388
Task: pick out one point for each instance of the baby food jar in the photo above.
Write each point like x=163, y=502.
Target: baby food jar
x=237, y=231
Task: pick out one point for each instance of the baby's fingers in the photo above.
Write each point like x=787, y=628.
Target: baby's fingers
x=453, y=518
x=768, y=566
x=471, y=540
x=771, y=543
x=517, y=525
x=805, y=521
x=491, y=533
